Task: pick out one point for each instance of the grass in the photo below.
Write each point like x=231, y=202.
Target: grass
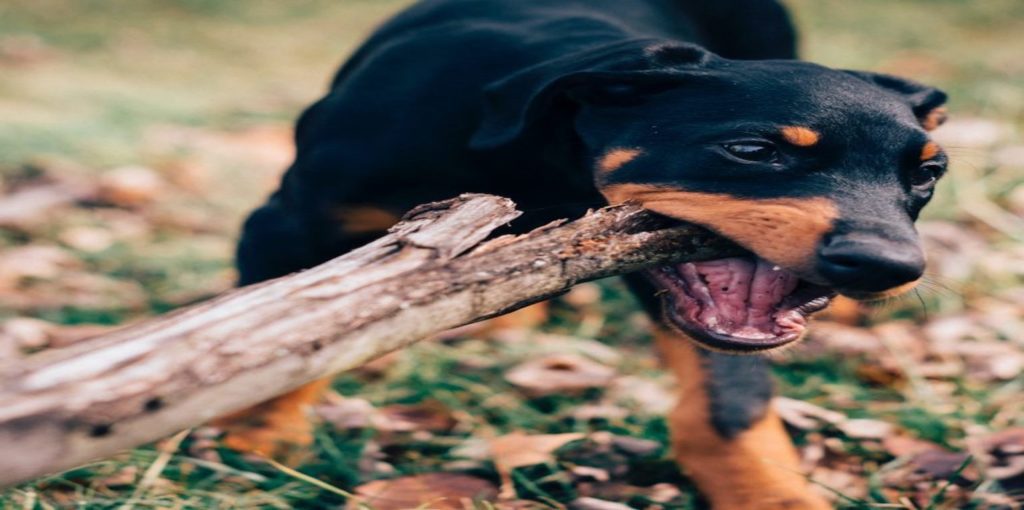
x=205, y=91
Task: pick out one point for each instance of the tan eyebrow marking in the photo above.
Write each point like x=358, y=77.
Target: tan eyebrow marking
x=934, y=118
x=929, y=151
x=616, y=159
x=800, y=136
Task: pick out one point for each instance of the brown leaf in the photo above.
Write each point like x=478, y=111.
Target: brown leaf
x=583, y=295
x=863, y=428
x=347, y=413
x=647, y=396
x=27, y=334
x=849, y=484
x=559, y=374
x=804, y=415
x=596, y=504
x=1003, y=452
x=130, y=186
x=74, y=289
x=429, y=415
x=590, y=412
x=87, y=239
x=520, y=504
x=25, y=208
x=518, y=449
x=123, y=477
x=838, y=338
x=901, y=446
x=436, y=491
x=939, y=465
x=33, y=262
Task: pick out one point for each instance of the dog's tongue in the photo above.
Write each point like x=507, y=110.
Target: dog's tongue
x=737, y=296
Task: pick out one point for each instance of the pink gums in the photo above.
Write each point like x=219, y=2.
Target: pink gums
x=739, y=296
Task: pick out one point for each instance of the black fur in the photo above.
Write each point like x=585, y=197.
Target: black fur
x=739, y=391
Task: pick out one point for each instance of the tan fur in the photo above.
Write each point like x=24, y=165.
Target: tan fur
x=365, y=219
x=893, y=292
x=616, y=159
x=935, y=118
x=279, y=428
x=757, y=470
x=929, y=151
x=843, y=310
x=524, y=318
x=800, y=136
x=785, y=231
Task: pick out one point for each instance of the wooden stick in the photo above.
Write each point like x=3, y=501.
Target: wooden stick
x=432, y=272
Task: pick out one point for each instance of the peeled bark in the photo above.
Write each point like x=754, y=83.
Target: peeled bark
x=432, y=272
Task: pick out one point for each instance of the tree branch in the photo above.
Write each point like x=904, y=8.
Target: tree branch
x=64, y=407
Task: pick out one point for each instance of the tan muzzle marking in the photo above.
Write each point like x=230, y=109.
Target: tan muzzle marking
x=784, y=231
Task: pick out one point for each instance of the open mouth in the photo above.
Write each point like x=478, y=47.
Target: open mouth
x=739, y=304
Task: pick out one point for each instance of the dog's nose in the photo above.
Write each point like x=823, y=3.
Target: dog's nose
x=869, y=264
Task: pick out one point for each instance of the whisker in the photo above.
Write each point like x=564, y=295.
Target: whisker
x=924, y=306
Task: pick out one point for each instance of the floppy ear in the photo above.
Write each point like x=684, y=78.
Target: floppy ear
x=613, y=72
x=926, y=102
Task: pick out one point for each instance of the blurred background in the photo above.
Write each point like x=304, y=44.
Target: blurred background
x=135, y=136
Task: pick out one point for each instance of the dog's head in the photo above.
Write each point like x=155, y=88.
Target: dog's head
x=819, y=173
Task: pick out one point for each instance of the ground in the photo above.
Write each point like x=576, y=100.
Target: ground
x=137, y=134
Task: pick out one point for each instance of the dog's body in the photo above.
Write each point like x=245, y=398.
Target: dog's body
x=571, y=104
x=395, y=129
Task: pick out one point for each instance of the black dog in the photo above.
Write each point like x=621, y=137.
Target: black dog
x=694, y=109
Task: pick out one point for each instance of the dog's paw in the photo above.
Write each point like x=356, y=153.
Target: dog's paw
x=285, y=436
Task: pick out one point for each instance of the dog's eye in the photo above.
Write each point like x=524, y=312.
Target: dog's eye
x=753, y=151
x=924, y=176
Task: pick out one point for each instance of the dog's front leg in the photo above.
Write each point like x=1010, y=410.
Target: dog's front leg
x=726, y=437
x=280, y=428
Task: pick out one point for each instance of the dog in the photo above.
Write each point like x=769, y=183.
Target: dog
x=698, y=111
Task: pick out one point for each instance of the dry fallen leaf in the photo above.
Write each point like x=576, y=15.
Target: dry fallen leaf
x=346, y=413
x=590, y=412
x=646, y=396
x=827, y=482
x=130, y=186
x=901, y=446
x=28, y=334
x=26, y=208
x=583, y=295
x=838, y=338
x=559, y=374
x=866, y=429
x=74, y=289
x=125, y=476
x=87, y=239
x=429, y=415
x=34, y=262
x=1002, y=453
x=517, y=449
x=596, y=504
x=804, y=415
x=540, y=343
x=431, y=491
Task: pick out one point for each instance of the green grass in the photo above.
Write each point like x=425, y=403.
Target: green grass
x=189, y=84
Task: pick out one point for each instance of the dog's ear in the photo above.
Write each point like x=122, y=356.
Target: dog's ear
x=926, y=102
x=616, y=72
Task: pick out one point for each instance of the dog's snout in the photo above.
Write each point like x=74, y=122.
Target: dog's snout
x=869, y=264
